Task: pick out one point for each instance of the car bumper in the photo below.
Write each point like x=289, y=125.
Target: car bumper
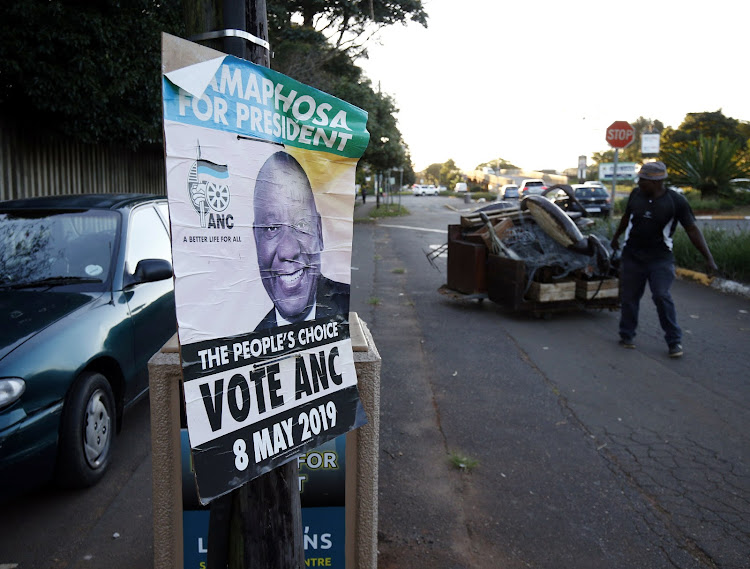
x=598, y=209
x=28, y=450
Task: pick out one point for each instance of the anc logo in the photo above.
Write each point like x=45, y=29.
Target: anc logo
x=208, y=188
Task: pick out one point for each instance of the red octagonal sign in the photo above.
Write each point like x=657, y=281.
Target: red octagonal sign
x=620, y=134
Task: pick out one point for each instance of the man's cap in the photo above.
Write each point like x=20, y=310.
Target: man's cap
x=653, y=171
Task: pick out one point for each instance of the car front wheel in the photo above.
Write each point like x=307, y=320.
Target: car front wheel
x=87, y=432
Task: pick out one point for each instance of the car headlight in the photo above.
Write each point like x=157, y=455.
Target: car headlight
x=11, y=390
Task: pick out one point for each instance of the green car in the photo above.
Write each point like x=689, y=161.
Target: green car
x=86, y=298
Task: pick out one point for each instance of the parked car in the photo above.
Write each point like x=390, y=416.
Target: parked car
x=460, y=187
x=531, y=187
x=594, y=183
x=595, y=200
x=86, y=298
x=509, y=192
x=424, y=190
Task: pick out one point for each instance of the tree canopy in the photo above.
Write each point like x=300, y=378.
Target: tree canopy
x=443, y=174
x=88, y=70
x=498, y=163
x=348, y=25
x=91, y=70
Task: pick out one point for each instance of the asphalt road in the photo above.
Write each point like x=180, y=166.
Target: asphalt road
x=588, y=455
x=109, y=525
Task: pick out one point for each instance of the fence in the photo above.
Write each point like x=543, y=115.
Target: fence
x=33, y=163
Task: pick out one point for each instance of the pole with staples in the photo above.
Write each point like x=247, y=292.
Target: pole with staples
x=260, y=523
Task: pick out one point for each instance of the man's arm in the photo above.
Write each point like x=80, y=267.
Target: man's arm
x=696, y=238
x=615, y=243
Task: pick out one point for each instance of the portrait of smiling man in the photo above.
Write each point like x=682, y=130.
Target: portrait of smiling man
x=289, y=242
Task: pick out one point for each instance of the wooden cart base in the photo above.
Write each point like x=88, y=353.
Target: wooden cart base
x=507, y=286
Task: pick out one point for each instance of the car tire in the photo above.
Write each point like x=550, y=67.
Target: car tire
x=87, y=432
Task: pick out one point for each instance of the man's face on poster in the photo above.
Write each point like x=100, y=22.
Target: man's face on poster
x=288, y=238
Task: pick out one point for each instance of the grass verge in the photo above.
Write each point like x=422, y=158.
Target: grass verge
x=730, y=248
x=389, y=210
x=731, y=251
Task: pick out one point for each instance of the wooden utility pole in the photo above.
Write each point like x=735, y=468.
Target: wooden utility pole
x=258, y=525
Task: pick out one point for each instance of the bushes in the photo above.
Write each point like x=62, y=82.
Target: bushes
x=620, y=204
x=711, y=205
x=731, y=251
x=488, y=196
x=717, y=204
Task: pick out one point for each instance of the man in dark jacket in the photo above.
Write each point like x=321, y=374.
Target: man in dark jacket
x=289, y=239
x=649, y=222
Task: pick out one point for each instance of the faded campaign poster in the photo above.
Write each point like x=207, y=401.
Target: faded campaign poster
x=260, y=180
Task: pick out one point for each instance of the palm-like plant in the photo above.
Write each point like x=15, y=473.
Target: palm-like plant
x=707, y=165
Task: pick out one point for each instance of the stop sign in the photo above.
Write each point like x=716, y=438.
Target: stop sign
x=620, y=134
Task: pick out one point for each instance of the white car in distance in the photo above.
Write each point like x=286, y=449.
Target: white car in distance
x=424, y=190
x=531, y=187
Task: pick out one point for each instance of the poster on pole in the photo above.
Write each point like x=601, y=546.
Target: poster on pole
x=260, y=180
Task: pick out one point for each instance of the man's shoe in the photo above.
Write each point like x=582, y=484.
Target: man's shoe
x=675, y=351
x=627, y=344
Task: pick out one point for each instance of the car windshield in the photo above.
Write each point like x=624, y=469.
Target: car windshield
x=591, y=192
x=52, y=248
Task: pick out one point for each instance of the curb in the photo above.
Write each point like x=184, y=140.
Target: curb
x=723, y=217
x=722, y=285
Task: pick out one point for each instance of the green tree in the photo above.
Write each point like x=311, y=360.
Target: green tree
x=450, y=174
x=706, y=125
x=442, y=173
x=88, y=70
x=497, y=163
x=304, y=53
x=431, y=174
x=348, y=25
x=707, y=164
x=91, y=70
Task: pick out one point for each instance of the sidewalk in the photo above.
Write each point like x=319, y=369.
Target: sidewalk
x=362, y=210
x=717, y=283
x=723, y=217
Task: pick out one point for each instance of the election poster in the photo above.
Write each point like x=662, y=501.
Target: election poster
x=322, y=485
x=260, y=181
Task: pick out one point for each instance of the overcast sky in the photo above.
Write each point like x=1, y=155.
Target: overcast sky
x=538, y=82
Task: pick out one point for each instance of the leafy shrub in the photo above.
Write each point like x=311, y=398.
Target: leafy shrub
x=731, y=251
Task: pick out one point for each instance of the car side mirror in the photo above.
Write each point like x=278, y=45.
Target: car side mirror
x=151, y=270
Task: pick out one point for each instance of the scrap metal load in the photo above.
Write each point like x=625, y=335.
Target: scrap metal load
x=533, y=257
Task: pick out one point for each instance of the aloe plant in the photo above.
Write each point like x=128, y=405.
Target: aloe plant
x=708, y=165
